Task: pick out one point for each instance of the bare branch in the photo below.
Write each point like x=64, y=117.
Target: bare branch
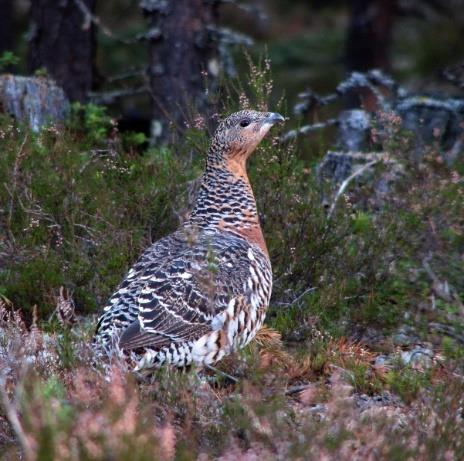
x=222, y=373
x=107, y=97
x=454, y=105
x=292, y=134
x=345, y=183
x=91, y=18
x=130, y=73
x=229, y=36
x=312, y=100
x=19, y=157
x=371, y=80
x=252, y=9
x=13, y=418
x=298, y=298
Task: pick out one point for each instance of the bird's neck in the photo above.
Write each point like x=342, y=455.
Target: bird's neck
x=226, y=201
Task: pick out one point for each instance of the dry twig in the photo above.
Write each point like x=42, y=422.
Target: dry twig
x=13, y=418
x=345, y=184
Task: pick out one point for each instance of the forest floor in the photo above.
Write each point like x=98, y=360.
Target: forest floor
x=275, y=400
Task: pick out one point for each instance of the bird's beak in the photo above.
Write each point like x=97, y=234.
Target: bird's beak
x=274, y=117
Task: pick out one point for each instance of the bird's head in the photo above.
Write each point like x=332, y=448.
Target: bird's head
x=237, y=136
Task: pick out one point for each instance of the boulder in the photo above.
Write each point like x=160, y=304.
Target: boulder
x=34, y=100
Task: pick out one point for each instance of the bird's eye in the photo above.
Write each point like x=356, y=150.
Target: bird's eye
x=245, y=122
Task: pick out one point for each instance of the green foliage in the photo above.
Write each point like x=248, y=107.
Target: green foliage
x=65, y=349
x=76, y=215
x=82, y=202
x=79, y=203
x=452, y=349
x=407, y=382
x=8, y=58
x=362, y=223
x=91, y=120
x=41, y=72
x=362, y=268
x=134, y=140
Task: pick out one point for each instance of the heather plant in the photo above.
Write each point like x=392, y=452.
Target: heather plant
x=78, y=210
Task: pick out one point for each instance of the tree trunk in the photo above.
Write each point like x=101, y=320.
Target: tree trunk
x=6, y=25
x=63, y=42
x=183, y=63
x=369, y=34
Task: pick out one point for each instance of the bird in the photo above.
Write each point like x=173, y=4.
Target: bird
x=202, y=292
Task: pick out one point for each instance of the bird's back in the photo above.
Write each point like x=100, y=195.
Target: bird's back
x=179, y=291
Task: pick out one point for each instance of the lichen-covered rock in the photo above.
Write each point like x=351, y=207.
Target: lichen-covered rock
x=436, y=122
x=35, y=100
x=338, y=168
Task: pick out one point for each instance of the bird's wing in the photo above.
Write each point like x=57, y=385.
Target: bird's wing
x=122, y=308
x=179, y=300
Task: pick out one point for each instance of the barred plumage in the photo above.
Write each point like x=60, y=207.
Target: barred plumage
x=201, y=292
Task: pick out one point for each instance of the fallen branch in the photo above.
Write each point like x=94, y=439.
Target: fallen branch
x=355, y=81
x=312, y=100
x=297, y=389
x=446, y=330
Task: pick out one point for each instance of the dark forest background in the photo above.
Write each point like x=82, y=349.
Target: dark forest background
x=149, y=61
